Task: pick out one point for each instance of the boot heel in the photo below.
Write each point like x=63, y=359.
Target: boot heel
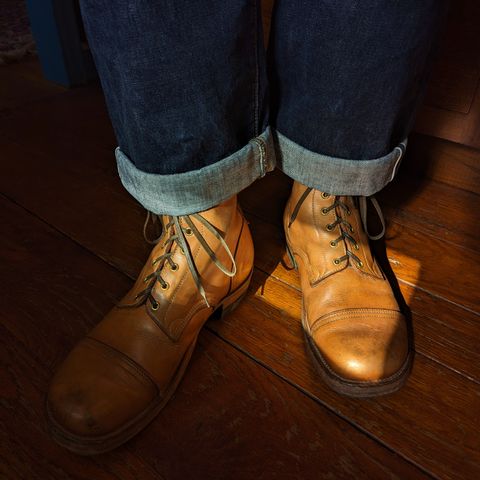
x=289, y=260
x=234, y=299
x=227, y=309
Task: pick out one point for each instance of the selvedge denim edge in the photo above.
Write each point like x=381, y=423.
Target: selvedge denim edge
x=337, y=176
x=197, y=190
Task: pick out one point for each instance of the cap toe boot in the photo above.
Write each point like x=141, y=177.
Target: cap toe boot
x=117, y=379
x=352, y=321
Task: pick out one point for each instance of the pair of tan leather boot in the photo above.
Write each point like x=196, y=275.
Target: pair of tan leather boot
x=122, y=374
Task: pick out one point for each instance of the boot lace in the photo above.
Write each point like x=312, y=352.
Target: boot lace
x=346, y=229
x=174, y=232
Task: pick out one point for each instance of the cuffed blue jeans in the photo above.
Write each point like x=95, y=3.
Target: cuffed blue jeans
x=201, y=110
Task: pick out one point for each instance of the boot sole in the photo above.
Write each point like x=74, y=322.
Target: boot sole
x=93, y=446
x=343, y=386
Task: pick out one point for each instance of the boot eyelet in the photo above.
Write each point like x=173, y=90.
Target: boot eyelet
x=352, y=230
x=324, y=211
x=336, y=261
x=356, y=246
x=174, y=267
x=360, y=264
x=155, y=306
x=348, y=212
x=325, y=195
x=188, y=232
x=146, y=279
x=165, y=287
x=333, y=244
x=329, y=227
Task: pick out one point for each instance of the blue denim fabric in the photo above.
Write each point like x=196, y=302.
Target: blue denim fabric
x=198, y=190
x=184, y=81
x=186, y=87
x=346, y=76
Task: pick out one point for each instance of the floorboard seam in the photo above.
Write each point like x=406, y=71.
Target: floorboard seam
x=318, y=401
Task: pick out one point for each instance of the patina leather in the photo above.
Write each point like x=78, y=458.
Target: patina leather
x=351, y=318
x=122, y=374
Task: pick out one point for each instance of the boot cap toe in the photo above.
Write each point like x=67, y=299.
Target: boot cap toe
x=97, y=391
x=366, y=345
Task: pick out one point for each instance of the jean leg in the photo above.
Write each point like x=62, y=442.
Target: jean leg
x=185, y=86
x=346, y=80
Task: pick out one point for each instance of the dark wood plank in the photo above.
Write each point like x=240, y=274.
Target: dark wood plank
x=448, y=271
x=452, y=103
x=456, y=71
x=443, y=161
x=56, y=290
x=61, y=124
x=440, y=210
x=453, y=85
x=23, y=83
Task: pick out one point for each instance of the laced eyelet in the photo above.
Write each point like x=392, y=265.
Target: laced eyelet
x=333, y=244
x=324, y=211
x=188, y=232
x=174, y=267
x=165, y=286
x=336, y=261
x=325, y=195
x=329, y=227
x=155, y=306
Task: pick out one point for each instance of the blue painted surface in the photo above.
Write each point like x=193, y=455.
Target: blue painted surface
x=48, y=40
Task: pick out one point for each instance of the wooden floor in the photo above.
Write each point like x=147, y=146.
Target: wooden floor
x=251, y=405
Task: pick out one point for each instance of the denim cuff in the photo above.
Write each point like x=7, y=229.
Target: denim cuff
x=198, y=190
x=337, y=176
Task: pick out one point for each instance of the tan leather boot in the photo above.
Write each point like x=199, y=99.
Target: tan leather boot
x=122, y=374
x=351, y=319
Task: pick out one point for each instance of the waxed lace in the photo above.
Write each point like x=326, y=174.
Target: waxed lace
x=175, y=233
x=346, y=229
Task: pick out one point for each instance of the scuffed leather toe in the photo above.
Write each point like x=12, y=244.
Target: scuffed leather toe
x=362, y=345
x=95, y=388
